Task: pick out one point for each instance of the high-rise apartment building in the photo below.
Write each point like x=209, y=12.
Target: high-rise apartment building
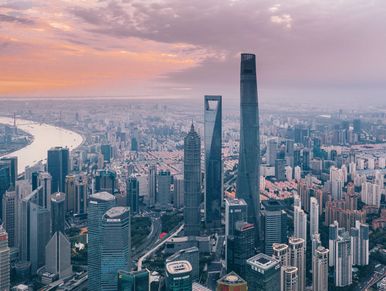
x=152, y=181
x=213, y=160
x=343, y=260
x=192, y=182
x=281, y=253
x=297, y=258
x=314, y=216
x=249, y=154
x=360, y=244
x=289, y=278
x=320, y=269
x=300, y=223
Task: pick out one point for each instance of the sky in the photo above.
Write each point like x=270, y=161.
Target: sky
x=313, y=50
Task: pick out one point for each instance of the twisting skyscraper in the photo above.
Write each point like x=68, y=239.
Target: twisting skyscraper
x=249, y=156
x=192, y=185
x=213, y=162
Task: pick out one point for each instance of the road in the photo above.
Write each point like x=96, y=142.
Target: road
x=375, y=278
x=160, y=244
x=151, y=239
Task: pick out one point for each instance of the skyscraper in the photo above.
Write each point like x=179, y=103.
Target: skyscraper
x=213, y=160
x=240, y=247
x=5, y=267
x=300, y=223
x=164, y=181
x=297, y=258
x=115, y=247
x=360, y=244
x=263, y=273
x=289, y=278
x=275, y=224
x=133, y=281
x=57, y=212
x=152, y=180
x=178, y=276
x=132, y=194
x=58, y=165
x=192, y=255
x=280, y=253
x=99, y=203
x=314, y=217
x=320, y=269
x=343, y=260
x=192, y=184
x=235, y=210
x=44, y=197
x=249, y=155
x=10, y=205
x=58, y=255
x=12, y=161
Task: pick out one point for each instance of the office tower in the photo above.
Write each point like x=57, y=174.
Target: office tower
x=306, y=158
x=263, y=273
x=297, y=258
x=235, y=210
x=5, y=181
x=231, y=282
x=38, y=235
x=178, y=276
x=58, y=255
x=271, y=152
x=240, y=247
x=275, y=224
x=213, y=160
x=320, y=269
x=105, y=181
x=300, y=223
x=357, y=126
x=132, y=194
x=280, y=253
x=58, y=165
x=81, y=194
x=10, y=204
x=5, y=283
x=192, y=255
x=98, y=205
x=106, y=151
x=115, y=247
x=45, y=180
x=280, y=169
x=164, y=181
x=70, y=191
x=343, y=260
x=192, y=182
x=178, y=192
x=152, y=181
x=133, y=281
x=360, y=244
x=13, y=169
x=289, y=279
x=57, y=212
x=314, y=216
x=249, y=154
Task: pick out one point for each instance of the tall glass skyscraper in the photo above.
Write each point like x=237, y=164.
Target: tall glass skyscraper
x=213, y=162
x=58, y=165
x=249, y=155
x=99, y=203
x=192, y=185
x=116, y=246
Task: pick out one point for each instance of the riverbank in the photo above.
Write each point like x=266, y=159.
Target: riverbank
x=45, y=136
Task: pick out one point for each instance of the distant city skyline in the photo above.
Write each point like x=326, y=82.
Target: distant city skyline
x=306, y=50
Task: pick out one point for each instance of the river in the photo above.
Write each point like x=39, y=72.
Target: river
x=45, y=137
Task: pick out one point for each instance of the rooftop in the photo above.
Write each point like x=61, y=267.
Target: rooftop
x=263, y=261
x=116, y=212
x=178, y=267
x=231, y=279
x=102, y=196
